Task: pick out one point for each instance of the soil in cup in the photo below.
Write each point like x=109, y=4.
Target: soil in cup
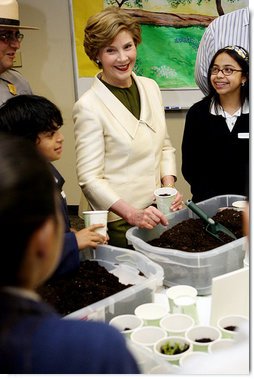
x=231, y=328
x=203, y=340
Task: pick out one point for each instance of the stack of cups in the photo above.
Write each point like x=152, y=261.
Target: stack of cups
x=96, y=217
x=182, y=299
x=151, y=313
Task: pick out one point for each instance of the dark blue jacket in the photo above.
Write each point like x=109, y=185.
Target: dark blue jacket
x=70, y=254
x=35, y=340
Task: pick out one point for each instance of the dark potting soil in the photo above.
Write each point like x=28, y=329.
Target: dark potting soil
x=86, y=286
x=204, y=340
x=231, y=328
x=191, y=235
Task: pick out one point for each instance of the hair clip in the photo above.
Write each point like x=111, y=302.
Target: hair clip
x=240, y=51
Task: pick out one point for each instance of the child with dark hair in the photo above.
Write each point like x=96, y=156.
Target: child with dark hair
x=39, y=120
x=34, y=339
x=215, y=147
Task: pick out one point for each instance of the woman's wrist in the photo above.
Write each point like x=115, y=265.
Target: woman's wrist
x=124, y=210
x=168, y=181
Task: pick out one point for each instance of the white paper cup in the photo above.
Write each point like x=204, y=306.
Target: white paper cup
x=147, y=335
x=191, y=358
x=165, y=369
x=172, y=340
x=186, y=305
x=240, y=205
x=220, y=345
x=126, y=323
x=230, y=325
x=96, y=217
x=164, y=197
x=207, y=333
x=151, y=313
x=177, y=291
x=176, y=324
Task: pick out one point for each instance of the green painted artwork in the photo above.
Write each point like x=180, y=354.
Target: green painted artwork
x=177, y=47
x=171, y=32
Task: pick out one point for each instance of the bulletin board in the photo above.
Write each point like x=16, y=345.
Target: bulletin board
x=168, y=51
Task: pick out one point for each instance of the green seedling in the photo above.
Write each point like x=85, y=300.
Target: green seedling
x=174, y=348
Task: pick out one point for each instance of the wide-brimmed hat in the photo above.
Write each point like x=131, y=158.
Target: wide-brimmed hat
x=9, y=15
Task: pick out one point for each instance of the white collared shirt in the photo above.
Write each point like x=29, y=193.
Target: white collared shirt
x=22, y=292
x=230, y=119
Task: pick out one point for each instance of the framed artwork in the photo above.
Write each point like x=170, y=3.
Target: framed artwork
x=171, y=32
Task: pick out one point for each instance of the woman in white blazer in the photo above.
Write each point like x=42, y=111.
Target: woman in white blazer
x=123, y=149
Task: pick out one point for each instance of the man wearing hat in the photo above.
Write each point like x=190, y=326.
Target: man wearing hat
x=11, y=81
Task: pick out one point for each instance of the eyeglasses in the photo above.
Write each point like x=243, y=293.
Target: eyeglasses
x=227, y=71
x=9, y=36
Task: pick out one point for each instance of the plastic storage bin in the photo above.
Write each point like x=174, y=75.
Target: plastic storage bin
x=194, y=269
x=133, y=268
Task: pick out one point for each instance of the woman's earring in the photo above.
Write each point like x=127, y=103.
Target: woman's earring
x=97, y=61
x=243, y=84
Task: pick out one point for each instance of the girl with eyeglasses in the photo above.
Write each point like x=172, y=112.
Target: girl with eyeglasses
x=215, y=147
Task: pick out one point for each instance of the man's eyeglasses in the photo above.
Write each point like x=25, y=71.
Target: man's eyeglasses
x=9, y=36
x=227, y=71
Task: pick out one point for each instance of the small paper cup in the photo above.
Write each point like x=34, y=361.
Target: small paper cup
x=220, y=345
x=147, y=335
x=230, y=325
x=191, y=358
x=240, y=205
x=186, y=305
x=176, y=324
x=127, y=323
x=164, y=197
x=200, y=336
x=165, y=369
x=177, y=291
x=96, y=217
x=172, y=341
x=151, y=313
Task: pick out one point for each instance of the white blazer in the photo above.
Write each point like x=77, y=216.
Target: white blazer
x=117, y=155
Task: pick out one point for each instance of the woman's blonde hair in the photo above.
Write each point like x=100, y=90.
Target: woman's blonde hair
x=103, y=27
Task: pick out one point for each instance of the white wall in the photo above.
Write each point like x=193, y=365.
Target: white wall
x=175, y=123
x=47, y=64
